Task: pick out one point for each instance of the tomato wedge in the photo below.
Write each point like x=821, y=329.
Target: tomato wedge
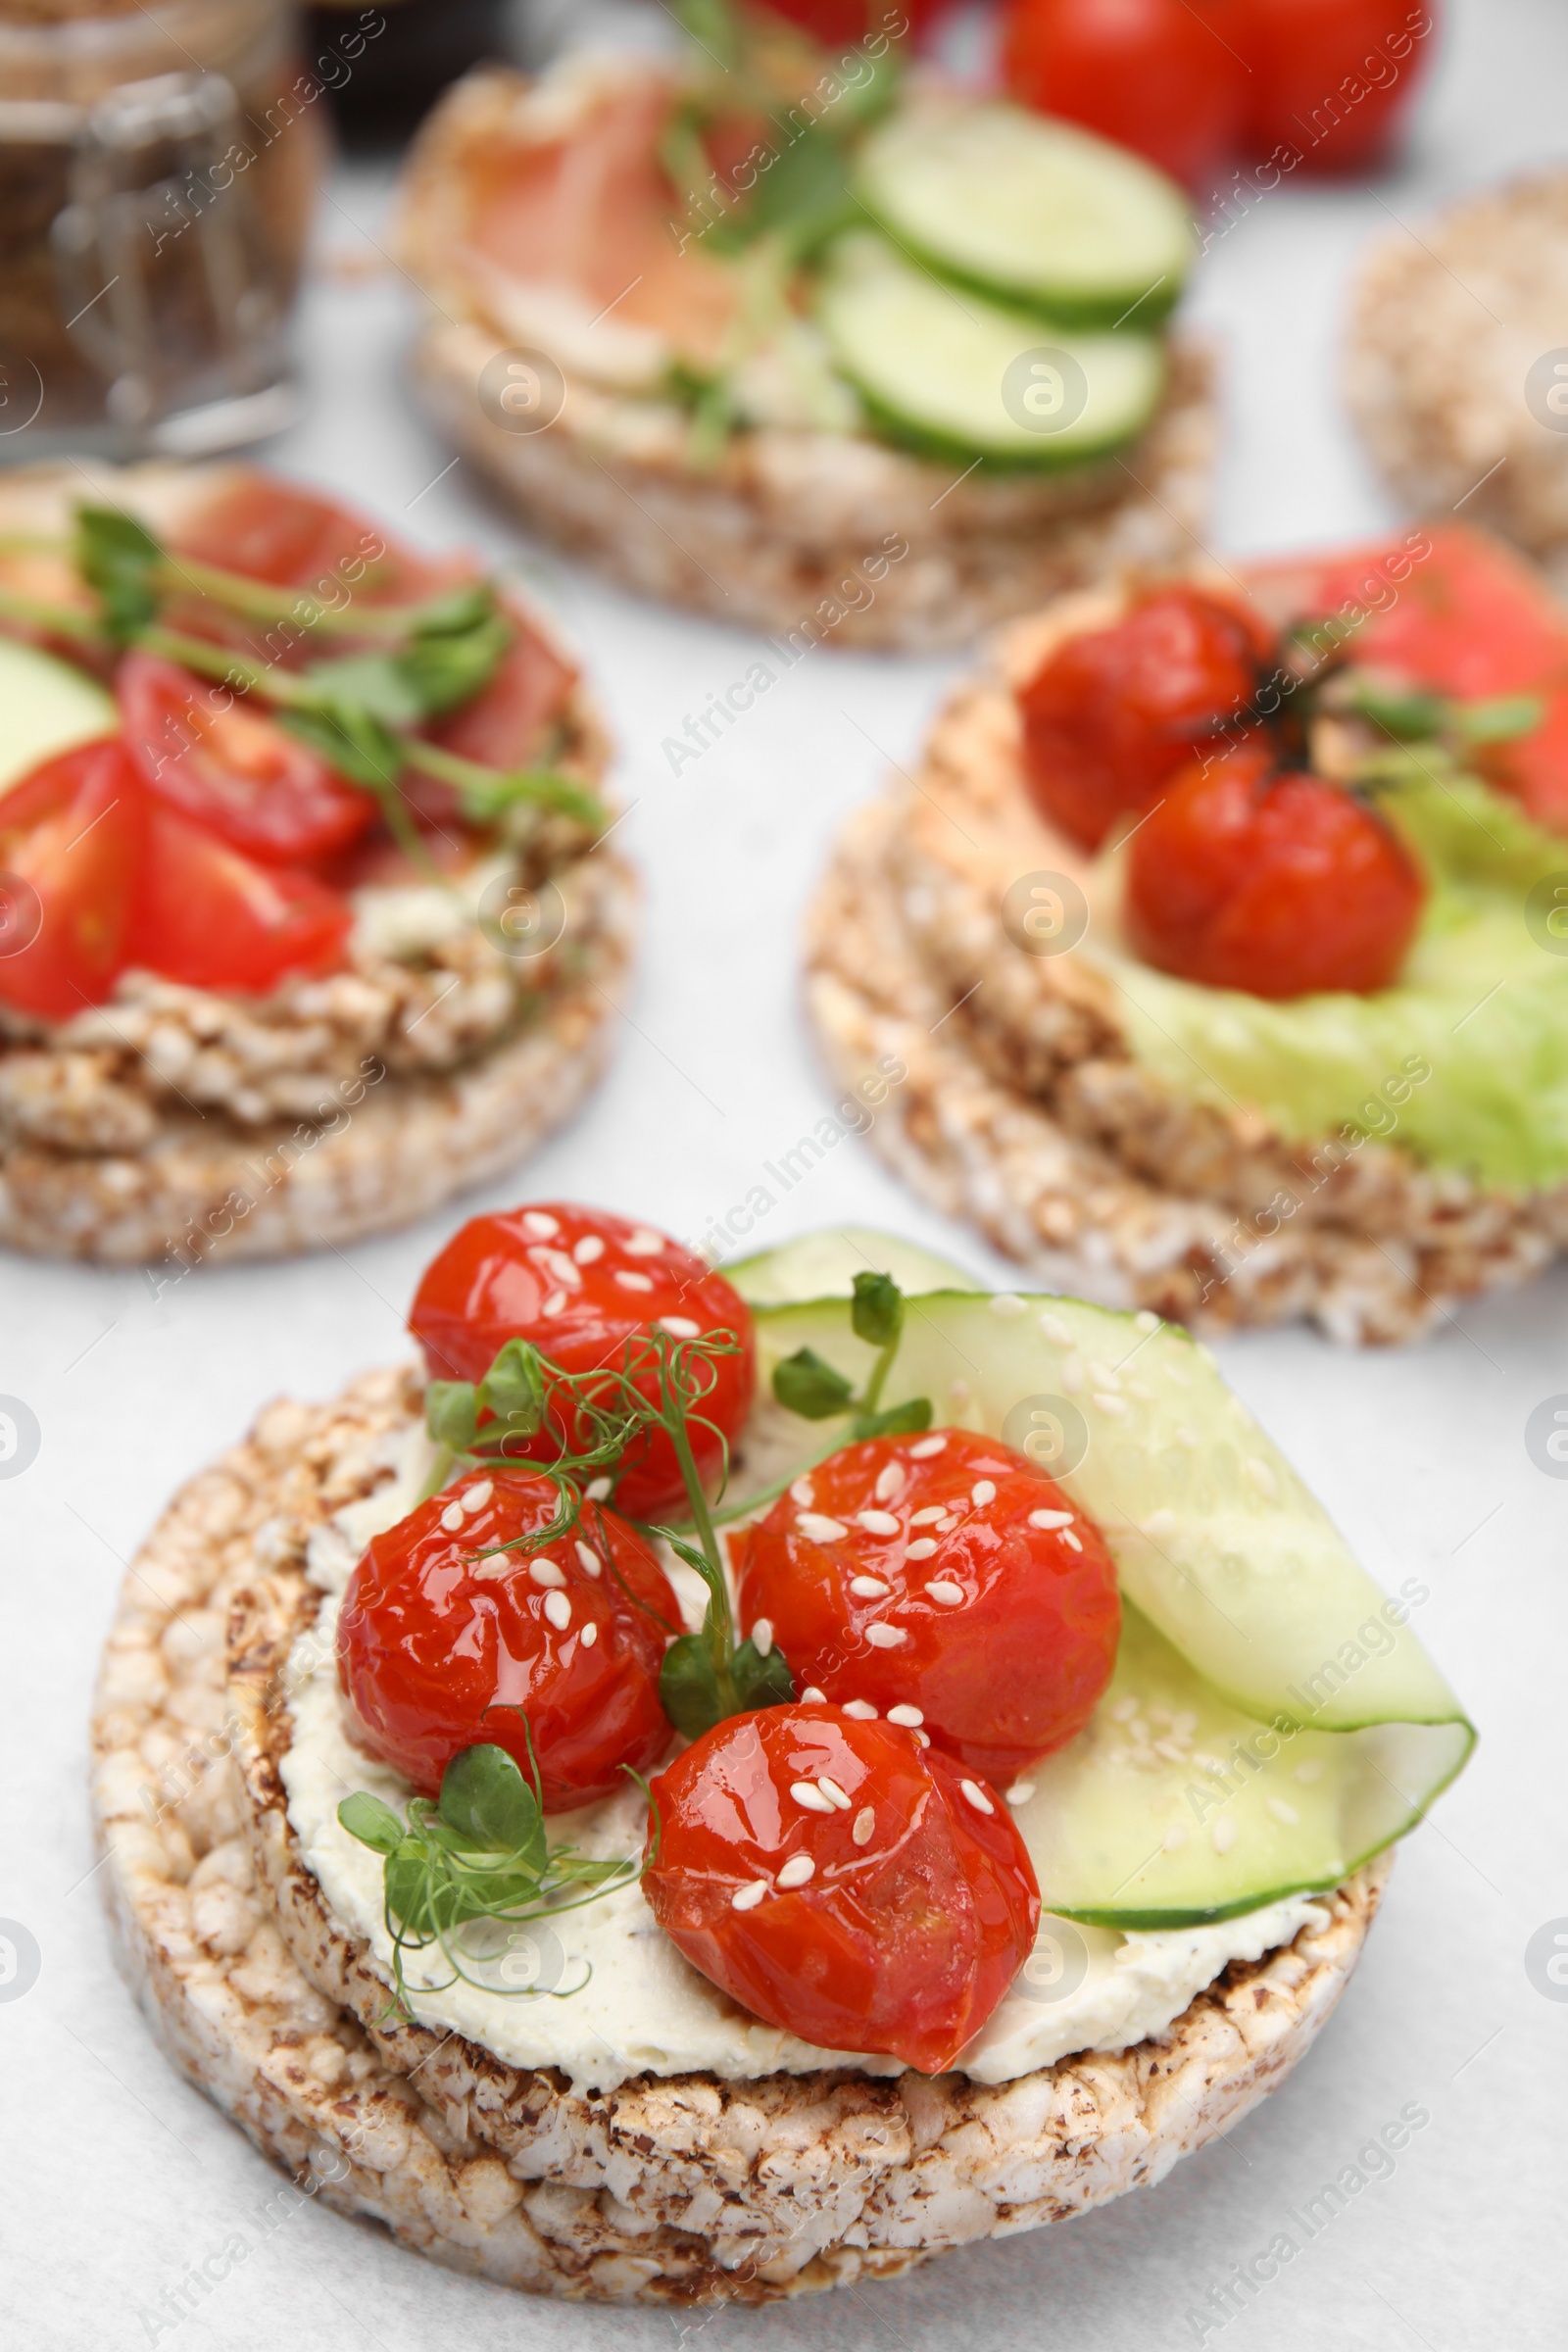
x=71, y=849
x=233, y=770
x=212, y=918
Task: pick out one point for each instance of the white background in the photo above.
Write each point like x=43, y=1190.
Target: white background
x=117, y=2175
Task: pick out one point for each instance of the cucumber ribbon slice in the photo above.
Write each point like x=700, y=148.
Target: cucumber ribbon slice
x=1273, y=1721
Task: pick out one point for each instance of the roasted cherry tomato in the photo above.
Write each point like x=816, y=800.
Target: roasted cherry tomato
x=445, y=1640
x=1148, y=73
x=842, y=1883
x=1114, y=711
x=232, y=768
x=1328, y=80
x=71, y=839
x=208, y=915
x=1280, y=884
x=943, y=1582
x=585, y=1287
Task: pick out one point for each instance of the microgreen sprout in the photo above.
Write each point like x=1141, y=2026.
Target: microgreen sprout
x=805, y=1384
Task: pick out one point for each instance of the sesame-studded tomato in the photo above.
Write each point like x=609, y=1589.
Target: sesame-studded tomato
x=585, y=1288
x=943, y=1582
x=842, y=1883
x=445, y=1642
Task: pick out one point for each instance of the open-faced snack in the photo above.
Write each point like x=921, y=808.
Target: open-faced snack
x=997, y=1821
x=1222, y=933
x=776, y=334
x=304, y=924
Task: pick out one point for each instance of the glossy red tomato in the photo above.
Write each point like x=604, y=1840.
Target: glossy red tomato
x=272, y=530
x=1280, y=884
x=849, y=21
x=1149, y=74
x=584, y=1287
x=71, y=837
x=842, y=1883
x=232, y=768
x=1114, y=711
x=942, y=1580
x=442, y=1638
x=505, y=723
x=208, y=915
x=1329, y=78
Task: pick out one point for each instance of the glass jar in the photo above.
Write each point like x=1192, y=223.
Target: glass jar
x=157, y=179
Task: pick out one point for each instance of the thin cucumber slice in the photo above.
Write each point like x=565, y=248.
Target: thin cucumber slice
x=1030, y=209
x=45, y=708
x=953, y=374
x=823, y=1265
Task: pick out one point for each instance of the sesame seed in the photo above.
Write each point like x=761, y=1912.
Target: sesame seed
x=1143, y=1392
x=452, y=1517
x=1007, y=1303
x=1185, y=1724
x=921, y=1548
x=644, y=1242
x=924, y=1738
x=558, y=1608
x=1214, y=1764
x=812, y=1697
x=590, y=1248
x=1050, y=1519
x=1171, y=1750
x=911, y=1718
x=1055, y=1330
x=869, y=1588
x=553, y=1305
x=590, y=1634
x=865, y=1824
x=1145, y=1319
x=797, y=1870
x=762, y=1637
x=1262, y=1476
x=598, y=1490
x=803, y=1493
x=1124, y=1710
x=945, y=1525
x=818, y=1529
x=886, y=1637
x=929, y=1516
x=1115, y=1405
x=1072, y=1542
x=1310, y=1771
x=1282, y=1812
x=1021, y=1793
x=679, y=1327
x=1174, y=1839
x=589, y=1559
x=545, y=1572
x=889, y=1481
x=945, y=1590
x=541, y=1222
x=835, y=1796
x=747, y=1898
x=1224, y=1833
x=877, y=1522
x=474, y=1498
x=1161, y=1523
x=862, y=1709
x=978, y=1796
x=629, y=1281
x=808, y=1794
x=927, y=1448
x=983, y=1491
x=1072, y=1373
x=1104, y=1376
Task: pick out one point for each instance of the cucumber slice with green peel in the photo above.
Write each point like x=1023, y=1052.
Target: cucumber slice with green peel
x=1033, y=210
x=45, y=708
x=823, y=1265
x=954, y=375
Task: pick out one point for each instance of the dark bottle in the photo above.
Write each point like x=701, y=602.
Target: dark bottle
x=384, y=64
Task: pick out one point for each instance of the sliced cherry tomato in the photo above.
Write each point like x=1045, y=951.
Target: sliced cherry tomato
x=943, y=1579
x=234, y=768
x=72, y=841
x=1330, y=81
x=504, y=724
x=1148, y=74
x=842, y=1883
x=1114, y=711
x=210, y=916
x=1280, y=884
x=272, y=530
x=584, y=1287
x=445, y=1640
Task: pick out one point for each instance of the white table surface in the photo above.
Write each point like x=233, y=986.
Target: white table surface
x=117, y=2175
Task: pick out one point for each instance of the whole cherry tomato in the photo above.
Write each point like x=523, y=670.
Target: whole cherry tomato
x=840, y=1883
x=445, y=1640
x=943, y=1582
x=72, y=843
x=235, y=770
x=1149, y=74
x=208, y=915
x=1329, y=80
x=1114, y=711
x=587, y=1288
x=1281, y=884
